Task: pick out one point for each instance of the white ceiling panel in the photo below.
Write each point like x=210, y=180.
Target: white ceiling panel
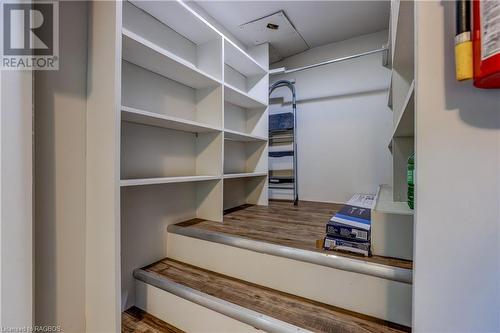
x=317, y=22
x=285, y=40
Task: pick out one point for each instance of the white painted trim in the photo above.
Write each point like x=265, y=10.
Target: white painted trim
x=102, y=249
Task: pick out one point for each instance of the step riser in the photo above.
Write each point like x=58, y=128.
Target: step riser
x=373, y=296
x=186, y=315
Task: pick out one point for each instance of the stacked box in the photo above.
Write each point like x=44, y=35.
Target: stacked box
x=349, y=229
x=335, y=243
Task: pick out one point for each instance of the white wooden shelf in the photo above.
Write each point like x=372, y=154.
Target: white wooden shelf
x=244, y=175
x=166, y=180
x=158, y=120
x=405, y=123
x=150, y=56
x=389, y=94
x=179, y=17
x=386, y=204
x=403, y=48
x=237, y=97
x=242, y=137
x=239, y=60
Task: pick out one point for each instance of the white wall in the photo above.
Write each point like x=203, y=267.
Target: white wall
x=457, y=221
x=344, y=124
x=16, y=265
x=60, y=114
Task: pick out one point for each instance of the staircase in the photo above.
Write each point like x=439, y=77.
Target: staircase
x=249, y=273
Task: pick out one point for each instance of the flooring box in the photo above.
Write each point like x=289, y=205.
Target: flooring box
x=334, y=243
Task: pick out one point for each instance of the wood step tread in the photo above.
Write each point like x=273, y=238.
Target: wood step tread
x=291, y=309
x=135, y=320
x=283, y=224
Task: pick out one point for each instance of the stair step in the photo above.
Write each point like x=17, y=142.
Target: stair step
x=275, y=247
x=257, y=306
x=137, y=320
x=290, y=231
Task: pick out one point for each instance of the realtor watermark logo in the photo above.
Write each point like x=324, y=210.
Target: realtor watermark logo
x=30, y=35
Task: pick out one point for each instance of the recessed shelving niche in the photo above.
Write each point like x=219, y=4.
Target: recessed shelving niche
x=244, y=114
x=170, y=30
x=248, y=188
x=244, y=156
x=154, y=152
x=243, y=75
x=150, y=92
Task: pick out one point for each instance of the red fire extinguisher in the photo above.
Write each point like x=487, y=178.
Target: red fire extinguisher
x=486, y=43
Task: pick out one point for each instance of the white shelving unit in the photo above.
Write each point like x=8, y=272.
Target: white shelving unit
x=392, y=219
x=179, y=117
x=401, y=94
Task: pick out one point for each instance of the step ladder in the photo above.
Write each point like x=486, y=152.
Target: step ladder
x=283, y=130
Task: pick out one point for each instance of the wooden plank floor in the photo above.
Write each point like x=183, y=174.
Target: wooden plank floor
x=134, y=320
x=283, y=223
x=298, y=311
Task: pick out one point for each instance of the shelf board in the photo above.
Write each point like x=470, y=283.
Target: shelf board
x=182, y=19
x=244, y=175
x=238, y=59
x=385, y=203
x=165, y=180
x=150, y=56
x=405, y=125
x=402, y=58
x=159, y=120
x=236, y=96
x=243, y=137
x=389, y=94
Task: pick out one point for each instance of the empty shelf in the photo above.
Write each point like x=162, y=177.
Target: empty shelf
x=245, y=175
x=385, y=203
x=165, y=180
x=403, y=48
x=243, y=137
x=182, y=19
x=405, y=125
x=150, y=56
x=159, y=120
x=235, y=96
x=240, y=60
